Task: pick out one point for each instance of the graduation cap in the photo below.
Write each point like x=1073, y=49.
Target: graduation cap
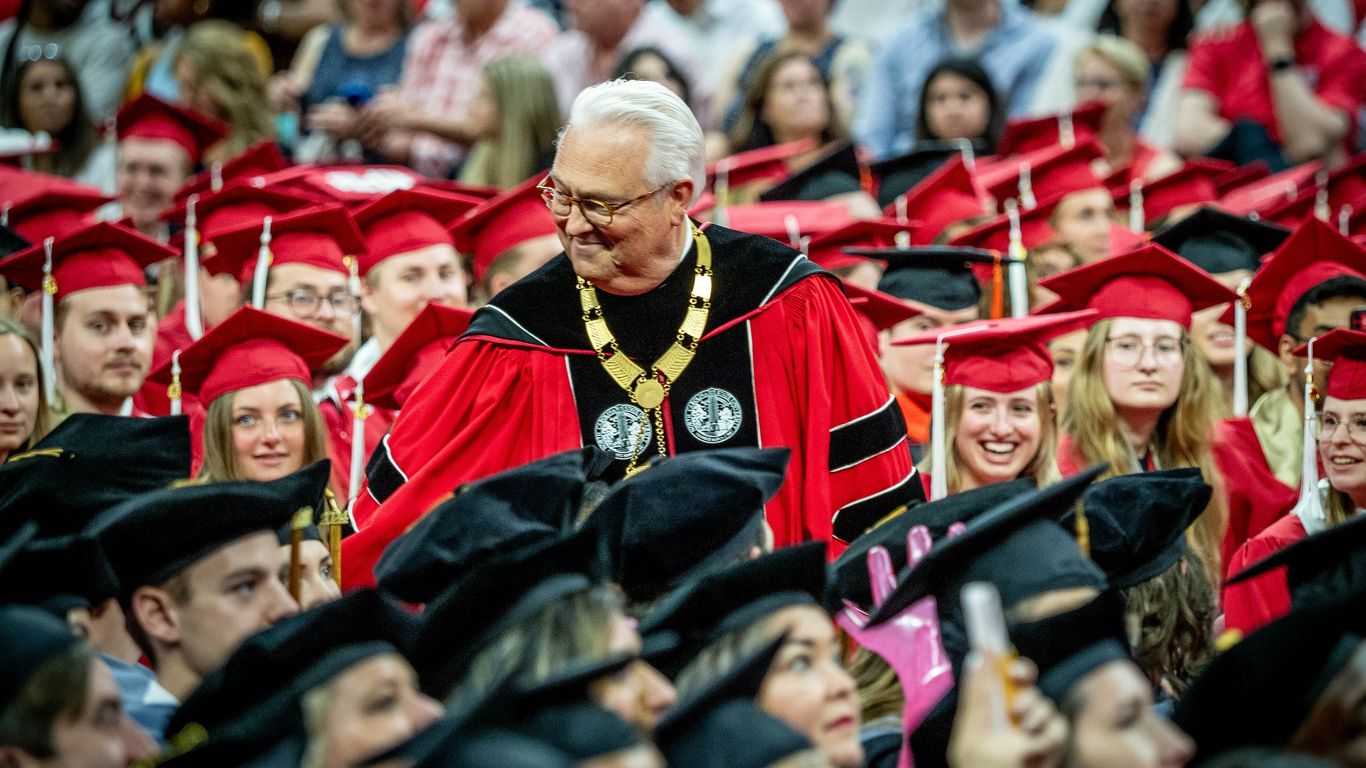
x=321, y=236
x=1032, y=227
x=251, y=347
x=151, y=538
x=558, y=713
x=1065, y=129
x=29, y=639
x=530, y=504
x=1014, y=546
x=311, y=646
x=1135, y=525
x=349, y=184
x=683, y=514
x=49, y=211
x=729, y=599
x=882, y=310
x=1220, y=242
x=500, y=223
x=835, y=173
x=1148, y=201
x=935, y=276
x=948, y=196
x=496, y=596
x=246, y=747
x=1044, y=174
x=755, y=165
x=56, y=574
x=1071, y=645
x=416, y=352
x=897, y=175
x=87, y=464
x=789, y=222
x=1313, y=253
x=851, y=569
x=237, y=205
x=1346, y=349
x=263, y=157
x=1005, y=356
x=721, y=725
x=148, y=117
x=1318, y=568
x=1230, y=177
x=1150, y=282
x=101, y=255
x=1270, y=191
x=827, y=250
x=1261, y=690
x=408, y=219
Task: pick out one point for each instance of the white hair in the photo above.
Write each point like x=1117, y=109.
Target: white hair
x=676, y=146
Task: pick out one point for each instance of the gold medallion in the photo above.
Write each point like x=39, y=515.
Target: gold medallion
x=649, y=394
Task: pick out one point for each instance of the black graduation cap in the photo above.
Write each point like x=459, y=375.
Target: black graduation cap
x=1219, y=242
x=940, y=276
x=1260, y=691
x=1015, y=546
x=497, y=595
x=29, y=638
x=1072, y=644
x=242, y=749
x=721, y=726
x=89, y=464
x=1321, y=567
x=898, y=175
x=531, y=503
x=679, y=516
x=154, y=536
x=364, y=621
x=851, y=568
x=836, y=173
x=57, y=574
x=729, y=599
x=1136, y=524
x=11, y=242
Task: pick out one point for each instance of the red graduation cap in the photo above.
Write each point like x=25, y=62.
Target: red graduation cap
x=41, y=211
x=259, y=159
x=790, y=220
x=1188, y=185
x=1347, y=350
x=320, y=236
x=414, y=354
x=148, y=117
x=101, y=255
x=1239, y=176
x=1065, y=129
x=407, y=220
x=1268, y=192
x=1314, y=252
x=948, y=196
x=1347, y=183
x=1043, y=174
x=500, y=223
x=762, y=164
x=238, y=204
x=994, y=233
x=1005, y=356
x=827, y=250
x=251, y=347
x=883, y=310
x=1150, y=283
x=480, y=191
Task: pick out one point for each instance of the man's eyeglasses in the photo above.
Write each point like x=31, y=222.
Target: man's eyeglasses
x=305, y=303
x=1127, y=351
x=1325, y=424
x=597, y=212
x=47, y=52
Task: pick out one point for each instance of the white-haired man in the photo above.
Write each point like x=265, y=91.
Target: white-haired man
x=650, y=336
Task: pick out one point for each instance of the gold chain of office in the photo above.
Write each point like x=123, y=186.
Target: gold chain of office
x=648, y=389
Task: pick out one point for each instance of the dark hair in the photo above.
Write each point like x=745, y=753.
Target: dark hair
x=57, y=689
x=751, y=132
x=626, y=69
x=1340, y=287
x=1174, y=615
x=973, y=72
x=1178, y=34
x=75, y=141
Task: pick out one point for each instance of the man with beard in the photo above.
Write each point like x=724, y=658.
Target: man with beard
x=93, y=285
x=300, y=265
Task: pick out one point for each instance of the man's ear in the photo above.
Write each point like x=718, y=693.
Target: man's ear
x=155, y=611
x=1285, y=346
x=680, y=195
x=367, y=296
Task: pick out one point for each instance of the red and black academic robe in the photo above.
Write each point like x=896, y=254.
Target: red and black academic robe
x=783, y=362
x=339, y=418
x=1256, y=498
x=1262, y=599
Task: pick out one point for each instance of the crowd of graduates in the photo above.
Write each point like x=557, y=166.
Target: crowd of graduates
x=1043, y=442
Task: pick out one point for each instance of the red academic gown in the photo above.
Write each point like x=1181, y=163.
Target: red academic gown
x=1265, y=598
x=782, y=362
x=1255, y=498
x=339, y=416
x=171, y=335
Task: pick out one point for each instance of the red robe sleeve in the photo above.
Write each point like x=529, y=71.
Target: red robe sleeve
x=1254, y=496
x=487, y=407
x=821, y=393
x=1070, y=462
x=1260, y=600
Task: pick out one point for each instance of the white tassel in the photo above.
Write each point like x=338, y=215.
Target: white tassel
x=1137, y=219
x=794, y=230
x=968, y=153
x=1345, y=219
x=902, y=217
x=4, y=215
x=49, y=293
x=259, y=275
x=194, y=319
x=1240, y=350
x=1026, y=187
x=216, y=176
x=359, y=413
x=1309, y=507
x=1016, y=279
x=353, y=287
x=173, y=392
x=1067, y=134
x=939, y=481
x=1321, y=210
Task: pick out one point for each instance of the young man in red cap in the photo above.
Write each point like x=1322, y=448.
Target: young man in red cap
x=159, y=146
x=648, y=337
x=102, y=329
x=507, y=237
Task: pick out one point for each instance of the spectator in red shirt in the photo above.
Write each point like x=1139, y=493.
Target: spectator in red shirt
x=1279, y=87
